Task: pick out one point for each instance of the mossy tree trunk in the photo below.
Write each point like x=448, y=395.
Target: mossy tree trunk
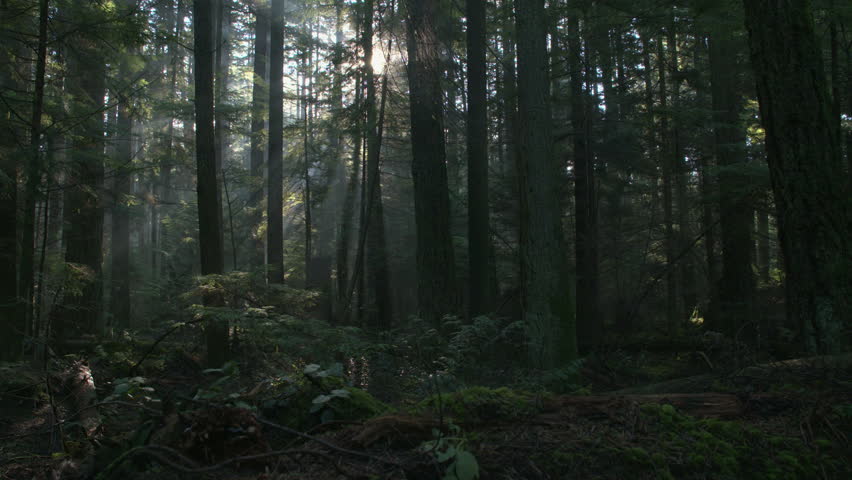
x=803, y=152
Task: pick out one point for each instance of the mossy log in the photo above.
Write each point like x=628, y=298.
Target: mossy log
x=704, y=405
x=798, y=371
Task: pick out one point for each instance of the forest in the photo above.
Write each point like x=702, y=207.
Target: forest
x=425, y=239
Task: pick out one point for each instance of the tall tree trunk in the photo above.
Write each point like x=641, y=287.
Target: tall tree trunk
x=479, y=230
x=585, y=198
x=84, y=229
x=259, y=115
x=736, y=286
x=34, y=172
x=341, y=245
x=666, y=156
x=275, y=189
x=11, y=318
x=510, y=164
x=547, y=308
x=347, y=220
x=120, y=238
x=379, y=314
x=209, y=201
x=803, y=154
x=706, y=187
x=169, y=196
x=680, y=174
x=436, y=282
x=222, y=125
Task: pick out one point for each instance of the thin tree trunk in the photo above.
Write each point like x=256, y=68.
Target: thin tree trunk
x=120, y=247
x=378, y=306
x=221, y=123
x=275, y=228
x=307, y=99
x=680, y=174
x=34, y=171
x=259, y=115
x=666, y=157
x=348, y=214
x=585, y=198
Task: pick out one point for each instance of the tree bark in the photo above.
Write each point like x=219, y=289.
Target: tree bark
x=259, y=116
x=436, y=283
x=11, y=319
x=666, y=157
x=86, y=83
x=804, y=158
x=379, y=315
x=479, y=229
x=346, y=281
x=120, y=238
x=546, y=299
x=209, y=201
x=222, y=124
x=34, y=171
x=585, y=198
x=275, y=190
x=736, y=286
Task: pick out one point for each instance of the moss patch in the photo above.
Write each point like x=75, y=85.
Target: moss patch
x=667, y=444
x=359, y=405
x=480, y=404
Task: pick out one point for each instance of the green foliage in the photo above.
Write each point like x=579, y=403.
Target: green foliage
x=133, y=388
x=320, y=396
x=225, y=388
x=247, y=290
x=475, y=352
x=461, y=463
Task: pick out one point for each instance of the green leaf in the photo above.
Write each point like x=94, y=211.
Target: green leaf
x=311, y=369
x=447, y=454
x=466, y=466
x=121, y=389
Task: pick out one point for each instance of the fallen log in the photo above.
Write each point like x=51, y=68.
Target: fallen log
x=798, y=371
x=705, y=405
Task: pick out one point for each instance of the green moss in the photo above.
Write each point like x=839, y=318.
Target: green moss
x=359, y=405
x=478, y=404
x=667, y=444
x=687, y=447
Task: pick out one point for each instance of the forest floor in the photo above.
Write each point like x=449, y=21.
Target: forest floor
x=105, y=415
